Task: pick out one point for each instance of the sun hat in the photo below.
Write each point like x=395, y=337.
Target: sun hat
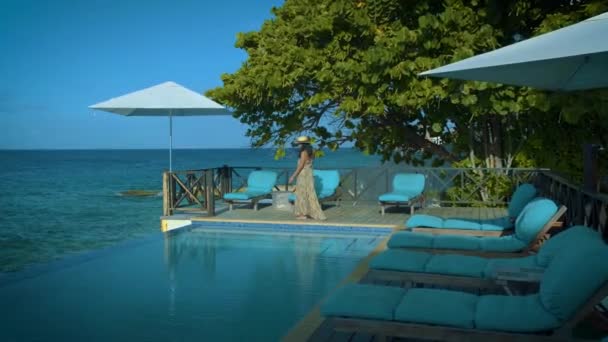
x=302, y=140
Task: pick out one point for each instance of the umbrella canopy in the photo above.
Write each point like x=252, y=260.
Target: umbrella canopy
x=166, y=99
x=571, y=58
x=162, y=100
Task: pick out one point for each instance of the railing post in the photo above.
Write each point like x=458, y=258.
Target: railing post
x=355, y=186
x=591, y=167
x=167, y=198
x=225, y=179
x=209, y=193
x=286, y=179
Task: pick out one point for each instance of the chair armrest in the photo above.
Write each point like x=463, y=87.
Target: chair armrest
x=520, y=274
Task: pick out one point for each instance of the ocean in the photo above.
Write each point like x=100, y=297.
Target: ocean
x=55, y=203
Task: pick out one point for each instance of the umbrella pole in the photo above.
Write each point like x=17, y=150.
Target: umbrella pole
x=170, y=141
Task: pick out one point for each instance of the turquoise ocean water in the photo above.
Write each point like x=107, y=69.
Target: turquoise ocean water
x=57, y=203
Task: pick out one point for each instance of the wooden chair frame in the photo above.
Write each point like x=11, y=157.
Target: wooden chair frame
x=253, y=200
x=418, y=199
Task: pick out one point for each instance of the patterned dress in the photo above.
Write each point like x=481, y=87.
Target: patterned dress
x=307, y=203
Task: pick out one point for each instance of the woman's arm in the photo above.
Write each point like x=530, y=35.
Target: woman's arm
x=301, y=163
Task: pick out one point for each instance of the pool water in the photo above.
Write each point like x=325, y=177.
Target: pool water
x=196, y=284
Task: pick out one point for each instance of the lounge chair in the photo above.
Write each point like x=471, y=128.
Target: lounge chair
x=490, y=227
x=571, y=286
x=326, y=186
x=259, y=186
x=472, y=271
x=530, y=228
x=408, y=189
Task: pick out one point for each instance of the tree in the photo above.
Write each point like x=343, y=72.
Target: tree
x=346, y=71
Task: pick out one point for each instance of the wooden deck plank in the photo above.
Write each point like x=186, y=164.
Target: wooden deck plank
x=361, y=337
x=323, y=333
x=341, y=336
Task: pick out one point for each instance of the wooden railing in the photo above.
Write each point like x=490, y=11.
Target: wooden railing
x=584, y=208
x=360, y=185
x=194, y=189
x=198, y=189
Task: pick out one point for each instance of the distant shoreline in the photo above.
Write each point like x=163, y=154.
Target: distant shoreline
x=149, y=149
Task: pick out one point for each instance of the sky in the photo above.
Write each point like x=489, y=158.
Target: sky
x=59, y=57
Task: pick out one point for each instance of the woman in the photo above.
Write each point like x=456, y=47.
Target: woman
x=307, y=204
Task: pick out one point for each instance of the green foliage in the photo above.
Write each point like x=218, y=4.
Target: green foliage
x=482, y=187
x=347, y=71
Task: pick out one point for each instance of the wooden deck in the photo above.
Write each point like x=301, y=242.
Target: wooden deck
x=347, y=214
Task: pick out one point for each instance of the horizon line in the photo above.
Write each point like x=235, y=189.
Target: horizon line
x=144, y=149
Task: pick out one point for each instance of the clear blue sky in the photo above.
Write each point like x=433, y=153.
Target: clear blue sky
x=58, y=57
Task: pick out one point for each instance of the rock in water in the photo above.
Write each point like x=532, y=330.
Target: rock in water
x=139, y=193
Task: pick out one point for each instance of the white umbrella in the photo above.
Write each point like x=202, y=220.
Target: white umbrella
x=166, y=99
x=572, y=58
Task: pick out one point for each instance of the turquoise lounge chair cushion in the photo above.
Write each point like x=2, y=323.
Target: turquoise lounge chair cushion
x=572, y=278
x=533, y=218
x=521, y=197
x=411, y=240
x=421, y=220
x=259, y=183
x=396, y=197
x=573, y=237
x=470, y=243
x=497, y=225
x=398, y=259
x=326, y=182
x=527, y=226
x=404, y=260
x=513, y=313
x=364, y=301
x=441, y=307
x=406, y=186
x=506, y=244
x=458, y=265
x=430, y=306
x=461, y=224
x=410, y=183
x=501, y=223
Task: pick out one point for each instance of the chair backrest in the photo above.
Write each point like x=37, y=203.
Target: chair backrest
x=409, y=183
x=521, y=197
x=533, y=219
x=571, y=238
x=326, y=181
x=573, y=277
x=262, y=181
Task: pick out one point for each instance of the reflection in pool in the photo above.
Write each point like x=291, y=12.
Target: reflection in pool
x=192, y=284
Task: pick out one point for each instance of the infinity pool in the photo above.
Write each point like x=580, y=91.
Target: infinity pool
x=196, y=284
